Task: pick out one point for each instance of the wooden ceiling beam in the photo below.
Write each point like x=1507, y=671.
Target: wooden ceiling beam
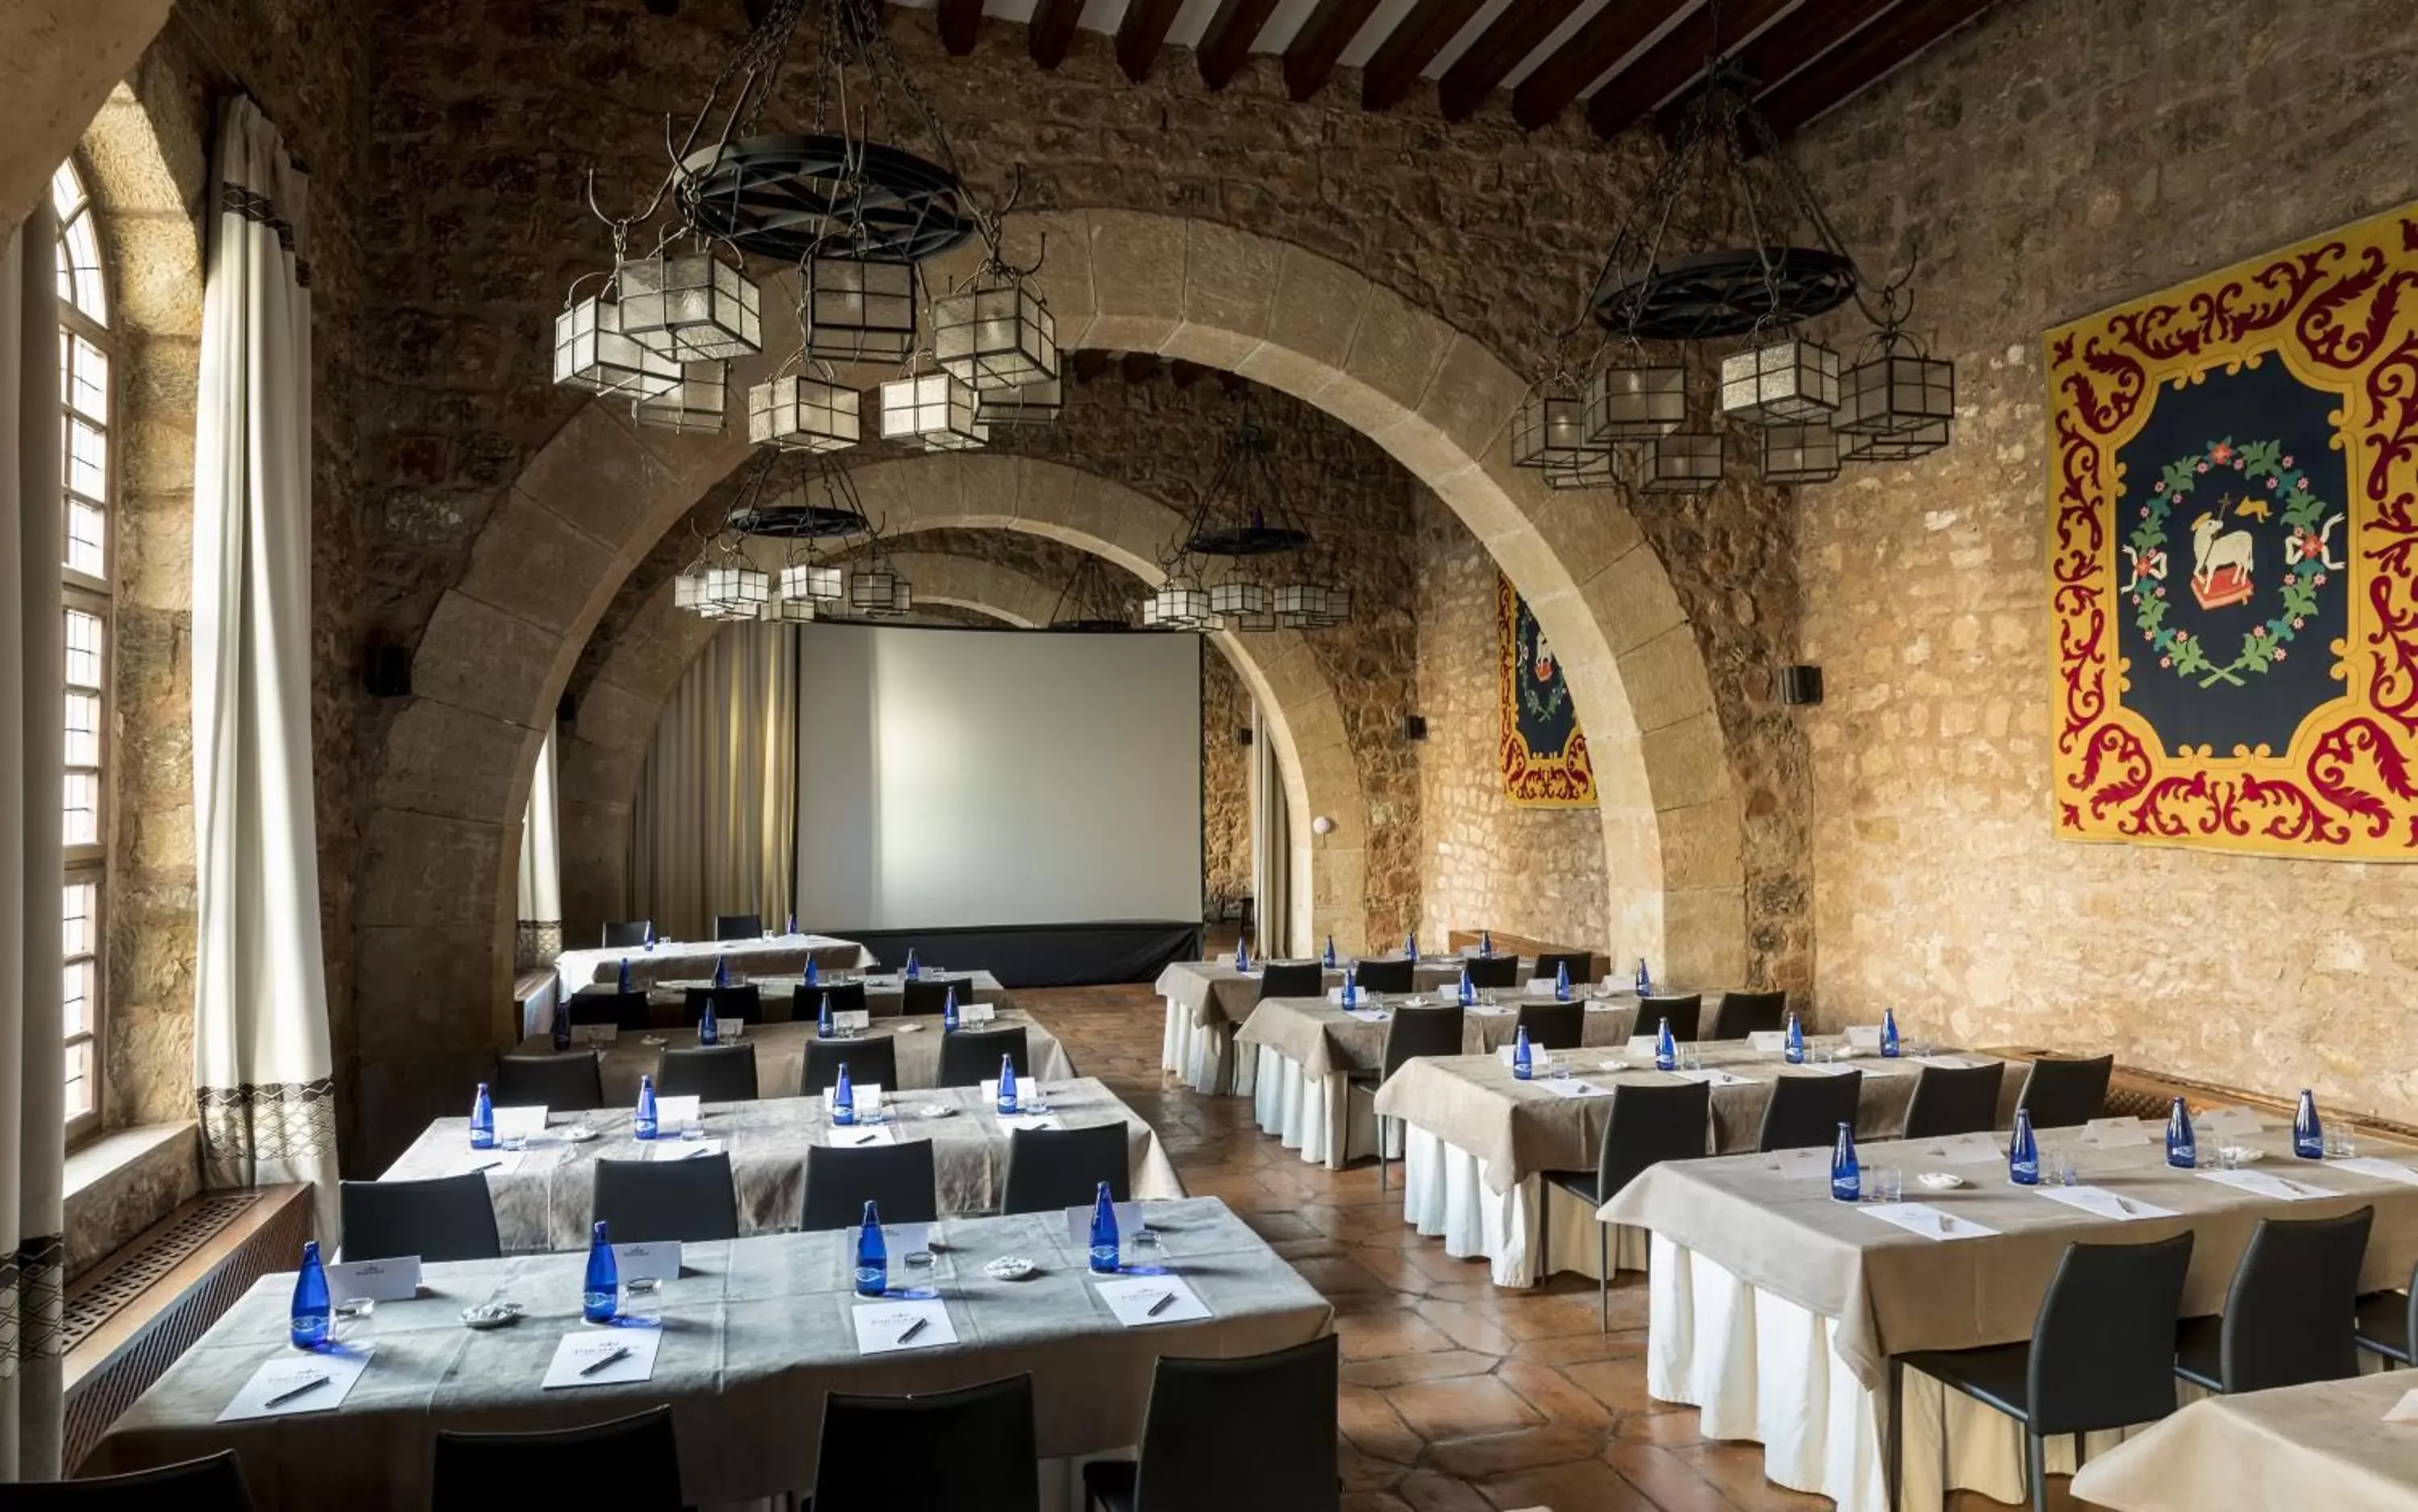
x=1408, y=48
x=1226, y=44
x=1052, y=32
x=1609, y=36
x=1309, y=59
x=1140, y=34
x=1497, y=50
x=1671, y=63
x=1862, y=60
x=1805, y=34
x=959, y=22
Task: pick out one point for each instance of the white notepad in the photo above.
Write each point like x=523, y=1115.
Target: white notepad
x=1030, y=1121
x=1822, y=1068
x=2390, y=1170
x=1712, y=1077
x=2105, y=1203
x=288, y=1371
x=1145, y=1301
x=883, y=1327
x=1924, y=1219
x=594, y=1350
x=858, y=1137
x=665, y=1150
x=1574, y=1088
x=2262, y=1183
x=1369, y=1016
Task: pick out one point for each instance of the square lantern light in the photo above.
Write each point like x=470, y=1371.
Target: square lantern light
x=1301, y=604
x=798, y=413
x=694, y=406
x=933, y=410
x=1599, y=471
x=802, y=582
x=1800, y=454
x=1785, y=383
x=688, y=590
x=788, y=611
x=691, y=305
x=1179, y=606
x=1240, y=598
x=859, y=311
x=1635, y=404
x=1031, y=404
x=1683, y=462
x=1334, y=607
x=1895, y=392
x=738, y=592
x=995, y=336
x=591, y=352
x=1551, y=431
x=902, y=596
x=872, y=589
x=1899, y=445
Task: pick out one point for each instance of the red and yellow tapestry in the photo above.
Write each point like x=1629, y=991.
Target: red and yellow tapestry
x=1544, y=752
x=2233, y=557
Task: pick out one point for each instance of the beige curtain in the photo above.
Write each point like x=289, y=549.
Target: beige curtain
x=539, y=937
x=715, y=826
x=1270, y=846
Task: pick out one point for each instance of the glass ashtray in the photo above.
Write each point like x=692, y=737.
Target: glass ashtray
x=486, y=1315
x=1009, y=1268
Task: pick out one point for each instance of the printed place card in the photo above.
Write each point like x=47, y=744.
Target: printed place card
x=2118, y=1133
x=677, y=1112
x=977, y=1013
x=886, y=1327
x=655, y=1260
x=300, y=1380
x=603, y=1356
x=1541, y=987
x=520, y=1122
x=380, y=1281
x=1767, y=1039
x=1143, y=1301
x=2229, y=1121
x=1641, y=1045
x=866, y=1095
x=1864, y=1036
x=2404, y=1411
x=852, y=1020
x=1966, y=1150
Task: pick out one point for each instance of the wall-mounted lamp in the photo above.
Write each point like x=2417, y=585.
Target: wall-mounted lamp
x=1322, y=825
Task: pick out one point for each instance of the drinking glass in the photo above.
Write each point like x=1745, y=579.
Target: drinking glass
x=1142, y=1248
x=1561, y=1068
x=642, y=1301
x=2340, y=1145
x=1885, y=1184
x=348, y=1322
x=1690, y=1058
x=2061, y=1168
x=2229, y=1157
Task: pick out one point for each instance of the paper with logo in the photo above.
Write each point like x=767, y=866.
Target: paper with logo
x=859, y=1137
x=1145, y=1301
x=1924, y=1219
x=667, y=1150
x=653, y=1260
x=2262, y=1183
x=677, y=1112
x=602, y=1357
x=2106, y=1204
x=380, y=1281
x=300, y=1380
x=520, y=1122
x=2390, y=1171
x=1573, y=1087
x=886, y=1327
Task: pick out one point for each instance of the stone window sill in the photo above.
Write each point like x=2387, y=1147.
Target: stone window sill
x=125, y=1181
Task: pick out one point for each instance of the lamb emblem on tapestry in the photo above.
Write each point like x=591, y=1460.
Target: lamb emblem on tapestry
x=2233, y=557
x=1544, y=752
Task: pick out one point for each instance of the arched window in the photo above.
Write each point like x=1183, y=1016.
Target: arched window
x=88, y=464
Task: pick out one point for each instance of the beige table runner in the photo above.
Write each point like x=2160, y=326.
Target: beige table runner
x=1220, y=996
x=1892, y=1291
x=2317, y=1447
x=546, y=1201
x=1325, y=1040
x=781, y=1052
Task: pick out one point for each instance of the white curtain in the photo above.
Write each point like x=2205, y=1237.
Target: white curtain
x=714, y=828
x=260, y=1044
x=1270, y=846
x=540, y=937
x=33, y=1084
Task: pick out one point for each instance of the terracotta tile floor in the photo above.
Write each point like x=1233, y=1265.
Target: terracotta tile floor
x=1458, y=1395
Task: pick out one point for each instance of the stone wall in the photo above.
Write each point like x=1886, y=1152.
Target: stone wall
x=1225, y=780
x=1484, y=863
x=2058, y=156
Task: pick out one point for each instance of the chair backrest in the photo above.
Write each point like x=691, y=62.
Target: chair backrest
x=846, y=998
x=970, y=1056
x=1684, y=1011
x=1954, y=1100
x=1582, y=965
x=571, y=1081
x=648, y=1201
x=1750, y=1012
x=1387, y=973
x=738, y=926
x=2061, y=1094
x=709, y=1072
x=1278, y=1407
x=446, y=1218
x=744, y=1003
x=930, y=995
x=628, y=1012
x=1554, y=1025
x=1053, y=1168
x=1650, y=1123
x=2290, y=1316
x=840, y=1180
x=873, y=1059
x=1296, y=978
x=211, y=1485
x=1807, y=1110
x=1497, y=971
x=630, y=934
x=1417, y=1032
x=2103, y=1351
x=631, y=1463
x=969, y=1451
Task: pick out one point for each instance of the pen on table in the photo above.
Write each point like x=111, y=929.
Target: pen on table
x=303, y=1390
x=619, y=1354
x=866, y=1138
x=912, y=1329
x=1166, y=1300
x=489, y=1166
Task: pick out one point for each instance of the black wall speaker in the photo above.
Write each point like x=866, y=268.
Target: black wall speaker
x=1800, y=684
x=1242, y=735
x=566, y=713
x=390, y=674
x=1414, y=727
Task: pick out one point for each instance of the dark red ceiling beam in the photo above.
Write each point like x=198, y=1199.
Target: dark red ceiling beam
x=1862, y=59
x=1669, y=64
x=1309, y=59
x=1497, y=50
x=1609, y=36
x=1790, y=43
x=1226, y=44
x=1052, y=31
x=960, y=20
x=1408, y=48
x=1140, y=34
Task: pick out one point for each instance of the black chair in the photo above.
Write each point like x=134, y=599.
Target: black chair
x=970, y=1056
x=446, y=1218
x=1580, y=963
x=1387, y=973
x=2388, y=1324
x=2291, y=1313
x=1554, y=1025
x=1750, y=1012
x=709, y=1072
x=930, y=995
x=571, y=1081
x=1496, y=971
x=630, y=934
x=840, y=1180
x=1052, y=1168
x=628, y=1012
x=744, y=1004
x=1298, y=979
x=211, y=1485
x=2101, y=1356
x=2060, y=1093
x=969, y=1451
x=846, y=998
x=648, y=1201
x=1954, y=1100
x=738, y=926
x=1807, y=1110
x=1280, y=1405
x=630, y=1462
x=1411, y=1034
x=1685, y=1012
x=873, y=1059
x=1649, y=1123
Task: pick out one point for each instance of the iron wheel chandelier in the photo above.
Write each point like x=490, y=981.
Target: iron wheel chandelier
x=811, y=517
x=1242, y=518
x=1093, y=602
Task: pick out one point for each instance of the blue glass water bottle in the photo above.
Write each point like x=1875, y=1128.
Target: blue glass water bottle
x=1796, y=1048
x=1328, y=959
x=1410, y=944
x=1486, y=944
x=823, y=1019
x=813, y=973
x=2023, y=1151
x=1006, y=1085
x=843, y=1099
x=872, y=1255
x=623, y=987
x=721, y=972
x=561, y=1026
x=1242, y=953
x=2182, y=1146
x=643, y=1125
x=1562, y=982
x=709, y=1029
x=914, y=966
x=1351, y=988
x=1644, y=982
x=1846, y=1177
x=600, y=1293
x=1106, y=1251
x=949, y=1008
x=1523, y=1066
x=1468, y=988
x=648, y=939
x=2308, y=1135
x=311, y=1309
x=1888, y=1035
x=790, y=926
x=482, y=1120
x=1666, y=1049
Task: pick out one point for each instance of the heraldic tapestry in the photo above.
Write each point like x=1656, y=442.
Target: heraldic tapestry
x=1544, y=752
x=2233, y=557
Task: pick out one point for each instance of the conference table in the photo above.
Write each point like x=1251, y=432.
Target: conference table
x=781, y=1051
x=2328, y=1444
x=766, y=955
x=789, y=998
x=754, y=1334
x=1477, y=1139
x=545, y=1196
x=1775, y=1308
x=1307, y=1049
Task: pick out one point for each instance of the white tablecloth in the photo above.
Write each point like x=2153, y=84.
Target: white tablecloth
x=1203, y=1055
x=1315, y=1115
x=1446, y=1195
x=578, y=968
